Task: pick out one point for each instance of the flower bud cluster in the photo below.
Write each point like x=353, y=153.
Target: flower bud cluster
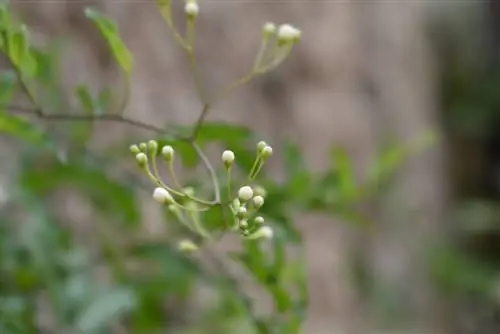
x=245, y=208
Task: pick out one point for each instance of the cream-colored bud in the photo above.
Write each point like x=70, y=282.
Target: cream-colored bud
x=245, y=193
x=269, y=29
x=264, y=232
x=261, y=145
x=168, y=152
x=228, y=158
x=288, y=33
x=187, y=246
x=153, y=146
x=142, y=159
x=259, y=220
x=135, y=149
x=266, y=152
x=162, y=196
x=192, y=9
x=242, y=212
x=258, y=201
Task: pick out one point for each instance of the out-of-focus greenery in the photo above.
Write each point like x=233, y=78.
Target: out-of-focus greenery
x=56, y=279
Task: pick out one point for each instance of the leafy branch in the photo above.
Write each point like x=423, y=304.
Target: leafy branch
x=276, y=45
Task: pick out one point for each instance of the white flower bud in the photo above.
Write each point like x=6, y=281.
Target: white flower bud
x=259, y=220
x=287, y=33
x=143, y=147
x=261, y=145
x=168, y=152
x=153, y=146
x=245, y=193
x=242, y=212
x=228, y=158
x=187, y=246
x=264, y=232
x=142, y=159
x=259, y=191
x=191, y=8
x=269, y=29
x=236, y=204
x=258, y=201
x=162, y=196
x=266, y=152
x=243, y=224
x=135, y=149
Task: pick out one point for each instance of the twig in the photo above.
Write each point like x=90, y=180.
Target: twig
x=210, y=170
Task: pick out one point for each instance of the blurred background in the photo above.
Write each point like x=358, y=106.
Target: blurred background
x=366, y=74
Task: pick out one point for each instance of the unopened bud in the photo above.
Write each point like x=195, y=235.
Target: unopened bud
x=162, y=196
x=258, y=201
x=264, y=232
x=260, y=146
x=153, y=147
x=228, y=158
x=143, y=147
x=269, y=29
x=243, y=224
x=266, y=152
x=135, y=149
x=168, y=152
x=259, y=220
x=242, y=212
x=142, y=159
x=245, y=193
x=187, y=246
x=191, y=8
x=259, y=191
x=287, y=34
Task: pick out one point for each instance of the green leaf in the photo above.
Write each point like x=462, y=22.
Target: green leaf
x=343, y=169
x=8, y=82
x=105, y=308
x=111, y=197
x=104, y=100
x=18, y=127
x=299, y=178
x=110, y=32
x=82, y=131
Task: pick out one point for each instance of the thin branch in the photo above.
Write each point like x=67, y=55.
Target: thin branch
x=210, y=170
x=89, y=118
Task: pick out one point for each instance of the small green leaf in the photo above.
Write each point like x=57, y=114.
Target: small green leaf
x=343, y=169
x=110, y=32
x=104, y=100
x=7, y=84
x=18, y=127
x=105, y=308
x=85, y=98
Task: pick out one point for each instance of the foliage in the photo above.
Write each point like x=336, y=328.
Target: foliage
x=45, y=264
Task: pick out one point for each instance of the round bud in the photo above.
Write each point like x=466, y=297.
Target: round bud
x=153, y=146
x=168, y=152
x=245, y=193
x=264, y=232
x=261, y=145
x=258, y=201
x=287, y=33
x=189, y=191
x=162, y=196
x=191, y=8
x=269, y=29
x=187, y=246
x=243, y=224
x=142, y=159
x=143, y=147
x=135, y=149
x=259, y=191
x=242, y=212
x=259, y=220
x=266, y=152
x=228, y=158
